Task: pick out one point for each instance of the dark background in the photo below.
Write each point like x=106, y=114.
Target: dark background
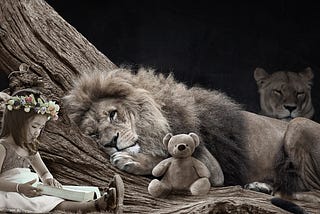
x=216, y=45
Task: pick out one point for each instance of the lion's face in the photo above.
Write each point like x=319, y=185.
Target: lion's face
x=115, y=113
x=285, y=95
x=110, y=124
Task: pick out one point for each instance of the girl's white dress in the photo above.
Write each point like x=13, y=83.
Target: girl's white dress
x=15, y=168
x=15, y=202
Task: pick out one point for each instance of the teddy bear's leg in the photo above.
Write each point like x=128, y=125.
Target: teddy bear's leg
x=158, y=189
x=200, y=186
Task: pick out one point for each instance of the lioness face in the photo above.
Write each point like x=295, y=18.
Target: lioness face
x=110, y=124
x=285, y=95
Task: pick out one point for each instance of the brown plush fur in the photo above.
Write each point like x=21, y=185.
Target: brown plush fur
x=180, y=172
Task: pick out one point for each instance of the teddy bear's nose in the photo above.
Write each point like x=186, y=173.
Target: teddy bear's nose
x=181, y=147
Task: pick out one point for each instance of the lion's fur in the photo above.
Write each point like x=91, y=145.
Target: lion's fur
x=159, y=105
x=298, y=163
x=129, y=114
x=248, y=147
x=284, y=94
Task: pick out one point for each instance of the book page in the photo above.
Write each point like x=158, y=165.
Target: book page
x=84, y=188
x=74, y=193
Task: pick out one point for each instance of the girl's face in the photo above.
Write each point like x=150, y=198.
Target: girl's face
x=35, y=126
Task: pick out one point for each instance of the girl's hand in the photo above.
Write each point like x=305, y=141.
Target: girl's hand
x=28, y=190
x=52, y=182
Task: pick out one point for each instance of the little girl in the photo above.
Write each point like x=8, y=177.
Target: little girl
x=25, y=116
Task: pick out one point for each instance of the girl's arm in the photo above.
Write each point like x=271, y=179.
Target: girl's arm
x=8, y=186
x=5, y=185
x=40, y=168
x=43, y=172
x=25, y=188
x=2, y=155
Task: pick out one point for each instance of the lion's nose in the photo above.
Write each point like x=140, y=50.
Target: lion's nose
x=181, y=147
x=290, y=108
x=114, y=140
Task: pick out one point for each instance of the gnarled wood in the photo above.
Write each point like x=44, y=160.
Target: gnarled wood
x=32, y=32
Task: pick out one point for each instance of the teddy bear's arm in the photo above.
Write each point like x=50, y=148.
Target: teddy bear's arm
x=200, y=168
x=161, y=167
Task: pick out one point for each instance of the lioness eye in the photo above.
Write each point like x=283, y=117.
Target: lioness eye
x=113, y=115
x=277, y=92
x=300, y=94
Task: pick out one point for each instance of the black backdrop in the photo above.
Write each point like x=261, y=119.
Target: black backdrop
x=216, y=45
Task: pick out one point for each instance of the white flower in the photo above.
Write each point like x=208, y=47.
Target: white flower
x=27, y=109
x=11, y=102
x=57, y=107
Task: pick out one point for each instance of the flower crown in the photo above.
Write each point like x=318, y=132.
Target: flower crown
x=39, y=106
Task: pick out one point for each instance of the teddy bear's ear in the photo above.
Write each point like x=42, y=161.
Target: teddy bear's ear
x=166, y=139
x=195, y=139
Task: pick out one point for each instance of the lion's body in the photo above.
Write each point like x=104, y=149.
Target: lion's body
x=285, y=95
x=129, y=114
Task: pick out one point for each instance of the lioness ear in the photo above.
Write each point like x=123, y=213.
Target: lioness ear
x=195, y=139
x=166, y=139
x=260, y=75
x=307, y=74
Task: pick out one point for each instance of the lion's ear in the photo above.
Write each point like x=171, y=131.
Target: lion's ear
x=307, y=74
x=166, y=139
x=260, y=75
x=195, y=139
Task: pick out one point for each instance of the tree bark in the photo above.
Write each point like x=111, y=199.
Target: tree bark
x=32, y=32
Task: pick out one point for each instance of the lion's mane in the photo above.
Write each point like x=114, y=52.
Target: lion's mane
x=161, y=105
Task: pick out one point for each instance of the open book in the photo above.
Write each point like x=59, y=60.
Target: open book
x=73, y=193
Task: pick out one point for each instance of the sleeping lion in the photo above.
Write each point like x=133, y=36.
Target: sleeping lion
x=130, y=113
x=285, y=95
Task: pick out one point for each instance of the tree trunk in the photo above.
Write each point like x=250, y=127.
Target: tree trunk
x=32, y=32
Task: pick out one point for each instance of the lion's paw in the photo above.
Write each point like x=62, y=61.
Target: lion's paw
x=126, y=162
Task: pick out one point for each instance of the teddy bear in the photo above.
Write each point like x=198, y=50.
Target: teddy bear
x=181, y=172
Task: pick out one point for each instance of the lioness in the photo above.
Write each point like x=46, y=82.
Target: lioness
x=285, y=95
x=130, y=113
